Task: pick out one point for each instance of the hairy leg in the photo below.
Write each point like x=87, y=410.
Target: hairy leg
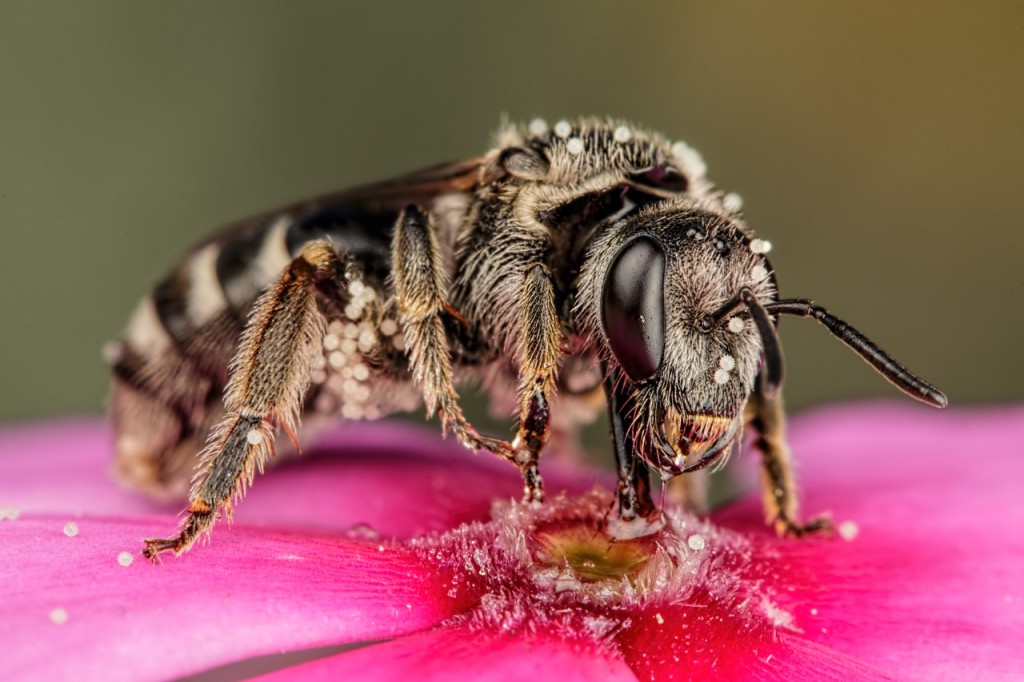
x=780, y=502
x=539, y=351
x=269, y=377
x=421, y=294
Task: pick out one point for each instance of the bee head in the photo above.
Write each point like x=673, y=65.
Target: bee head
x=668, y=293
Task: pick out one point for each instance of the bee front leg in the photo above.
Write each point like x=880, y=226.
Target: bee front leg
x=766, y=415
x=421, y=294
x=634, y=504
x=269, y=377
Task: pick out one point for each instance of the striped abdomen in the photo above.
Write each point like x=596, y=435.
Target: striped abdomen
x=171, y=363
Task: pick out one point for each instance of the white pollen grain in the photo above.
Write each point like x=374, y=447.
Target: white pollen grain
x=360, y=372
x=59, y=615
x=658, y=617
x=125, y=559
x=563, y=129
x=353, y=311
x=71, y=529
x=574, y=146
x=693, y=163
x=814, y=612
x=736, y=325
x=732, y=202
x=759, y=272
x=622, y=134
x=388, y=326
x=760, y=246
x=356, y=287
x=848, y=530
x=113, y=351
x=721, y=376
x=348, y=346
x=696, y=542
x=331, y=341
x=254, y=437
x=367, y=341
x=727, y=362
x=538, y=127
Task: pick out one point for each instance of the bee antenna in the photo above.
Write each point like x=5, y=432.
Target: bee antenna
x=884, y=364
x=771, y=380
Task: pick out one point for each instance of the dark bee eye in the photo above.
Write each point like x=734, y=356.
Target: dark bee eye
x=633, y=308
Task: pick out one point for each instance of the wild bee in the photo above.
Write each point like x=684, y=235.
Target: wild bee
x=588, y=258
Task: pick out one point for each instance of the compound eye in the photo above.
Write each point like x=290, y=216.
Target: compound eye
x=633, y=307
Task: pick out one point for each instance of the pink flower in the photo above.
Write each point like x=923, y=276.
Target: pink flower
x=380, y=557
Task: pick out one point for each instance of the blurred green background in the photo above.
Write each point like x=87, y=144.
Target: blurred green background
x=879, y=147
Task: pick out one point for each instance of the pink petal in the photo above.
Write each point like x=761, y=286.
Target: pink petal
x=458, y=654
x=260, y=592
x=930, y=587
x=397, y=478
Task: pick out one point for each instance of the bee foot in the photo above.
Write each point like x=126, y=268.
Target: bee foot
x=619, y=528
x=156, y=546
x=787, y=527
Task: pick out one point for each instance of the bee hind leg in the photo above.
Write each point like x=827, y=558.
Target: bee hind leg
x=766, y=415
x=269, y=378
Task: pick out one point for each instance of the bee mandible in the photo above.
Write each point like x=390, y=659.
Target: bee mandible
x=589, y=258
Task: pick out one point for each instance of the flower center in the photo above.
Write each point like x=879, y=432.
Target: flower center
x=588, y=552
x=557, y=568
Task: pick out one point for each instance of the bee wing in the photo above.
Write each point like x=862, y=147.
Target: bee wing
x=419, y=186
x=385, y=197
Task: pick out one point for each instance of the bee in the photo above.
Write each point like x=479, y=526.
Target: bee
x=588, y=260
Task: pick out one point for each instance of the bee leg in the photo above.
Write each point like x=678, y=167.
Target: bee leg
x=269, y=377
x=421, y=294
x=780, y=503
x=539, y=350
x=634, y=503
